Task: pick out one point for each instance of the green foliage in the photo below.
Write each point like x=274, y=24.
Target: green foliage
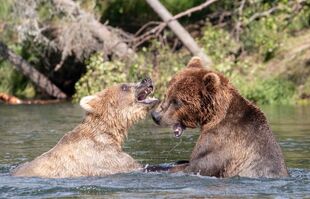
x=5, y=74
x=263, y=37
x=237, y=56
x=260, y=40
x=220, y=46
x=300, y=21
x=164, y=63
x=131, y=15
x=218, y=43
x=14, y=83
x=266, y=91
x=5, y=8
x=101, y=74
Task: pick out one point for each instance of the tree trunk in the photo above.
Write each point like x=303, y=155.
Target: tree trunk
x=34, y=75
x=181, y=33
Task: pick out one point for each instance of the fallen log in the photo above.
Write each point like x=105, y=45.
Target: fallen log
x=29, y=71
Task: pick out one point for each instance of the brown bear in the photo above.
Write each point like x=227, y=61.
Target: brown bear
x=94, y=147
x=235, y=138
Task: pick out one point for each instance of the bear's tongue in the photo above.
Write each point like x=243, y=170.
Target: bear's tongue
x=178, y=130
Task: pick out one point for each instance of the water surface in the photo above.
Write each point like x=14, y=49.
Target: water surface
x=28, y=131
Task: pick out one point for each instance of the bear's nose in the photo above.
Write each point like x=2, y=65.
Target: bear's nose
x=156, y=117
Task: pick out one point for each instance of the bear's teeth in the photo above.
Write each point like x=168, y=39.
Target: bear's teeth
x=150, y=100
x=178, y=130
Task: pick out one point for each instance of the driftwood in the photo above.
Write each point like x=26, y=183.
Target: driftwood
x=29, y=71
x=176, y=27
x=12, y=100
x=194, y=9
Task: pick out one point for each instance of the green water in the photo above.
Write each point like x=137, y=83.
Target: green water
x=28, y=131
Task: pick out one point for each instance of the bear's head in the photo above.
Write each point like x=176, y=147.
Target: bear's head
x=195, y=97
x=120, y=105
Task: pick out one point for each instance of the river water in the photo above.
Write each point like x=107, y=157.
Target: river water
x=28, y=131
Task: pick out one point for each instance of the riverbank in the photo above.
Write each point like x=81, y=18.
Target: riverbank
x=261, y=46
x=283, y=79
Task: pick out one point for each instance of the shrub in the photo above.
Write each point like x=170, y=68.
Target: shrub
x=14, y=83
x=266, y=91
x=300, y=21
x=263, y=37
x=101, y=74
x=218, y=44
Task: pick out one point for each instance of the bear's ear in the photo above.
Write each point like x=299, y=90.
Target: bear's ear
x=211, y=80
x=195, y=62
x=86, y=105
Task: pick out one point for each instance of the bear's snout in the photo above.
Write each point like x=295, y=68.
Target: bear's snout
x=156, y=117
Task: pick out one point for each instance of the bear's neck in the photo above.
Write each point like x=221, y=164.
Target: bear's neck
x=240, y=111
x=245, y=110
x=100, y=131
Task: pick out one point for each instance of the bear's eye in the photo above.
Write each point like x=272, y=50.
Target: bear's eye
x=176, y=102
x=144, y=81
x=124, y=87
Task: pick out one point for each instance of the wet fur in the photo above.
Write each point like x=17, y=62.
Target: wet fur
x=94, y=147
x=235, y=138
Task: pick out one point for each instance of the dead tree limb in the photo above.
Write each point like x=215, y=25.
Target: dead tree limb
x=112, y=42
x=193, y=9
x=160, y=26
x=34, y=75
x=239, y=21
x=145, y=26
x=180, y=32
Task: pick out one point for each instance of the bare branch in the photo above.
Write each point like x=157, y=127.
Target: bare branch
x=239, y=22
x=188, y=12
x=192, y=10
x=240, y=9
x=179, y=30
x=154, y=32
x=150, y=34
x=145, y=26
x=262, y=14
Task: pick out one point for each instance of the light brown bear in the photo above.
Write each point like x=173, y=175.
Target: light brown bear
x=235, y=138
x=94, y=147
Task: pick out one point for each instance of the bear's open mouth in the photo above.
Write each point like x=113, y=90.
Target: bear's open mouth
x=178, y=129
x=143, y=95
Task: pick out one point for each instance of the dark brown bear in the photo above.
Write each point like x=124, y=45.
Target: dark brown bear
x=235, y=138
